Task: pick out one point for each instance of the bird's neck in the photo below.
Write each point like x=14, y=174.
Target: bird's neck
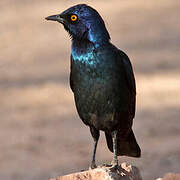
x=97, y=32
x=83, y=51
x=98, y=39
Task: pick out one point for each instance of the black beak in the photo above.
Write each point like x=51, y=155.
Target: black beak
x=55, y=18
x=52, y=18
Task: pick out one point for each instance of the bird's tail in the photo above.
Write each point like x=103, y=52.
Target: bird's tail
x=127, y=147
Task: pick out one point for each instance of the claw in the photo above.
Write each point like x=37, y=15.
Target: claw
x=114, y=165
x=107, y=165
x=93, y=165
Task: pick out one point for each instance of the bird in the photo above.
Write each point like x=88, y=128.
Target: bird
x=102, y=81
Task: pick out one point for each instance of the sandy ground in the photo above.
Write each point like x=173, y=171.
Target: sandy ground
x=41, y=135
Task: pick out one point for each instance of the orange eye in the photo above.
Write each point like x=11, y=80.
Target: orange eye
x=74, y=17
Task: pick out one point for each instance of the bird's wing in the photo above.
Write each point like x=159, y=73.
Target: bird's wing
x=71, y=79
x=130, y=79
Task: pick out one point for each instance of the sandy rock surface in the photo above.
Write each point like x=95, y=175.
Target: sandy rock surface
x=124, y=172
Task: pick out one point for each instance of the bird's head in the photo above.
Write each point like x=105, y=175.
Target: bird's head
x=83, y=22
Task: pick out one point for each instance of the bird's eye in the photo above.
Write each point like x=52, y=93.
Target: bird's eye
x=74, y=17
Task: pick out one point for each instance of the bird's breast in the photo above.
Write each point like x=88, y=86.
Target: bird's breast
x=96, y=82
x=92, y=87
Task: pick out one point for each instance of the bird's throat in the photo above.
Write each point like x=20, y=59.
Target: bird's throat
x=83, y=52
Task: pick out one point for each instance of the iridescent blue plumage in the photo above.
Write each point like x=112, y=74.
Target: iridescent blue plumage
x=83, y=55
x=89, y=25
x=102, y=81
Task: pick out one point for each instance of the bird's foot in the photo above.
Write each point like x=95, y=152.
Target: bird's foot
x=114, y=165
x=93, y=165
x=106, y=165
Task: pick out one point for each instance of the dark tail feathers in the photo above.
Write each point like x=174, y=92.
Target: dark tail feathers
x=127, y=147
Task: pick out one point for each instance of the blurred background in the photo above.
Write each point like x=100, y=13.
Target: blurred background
x=41, y=135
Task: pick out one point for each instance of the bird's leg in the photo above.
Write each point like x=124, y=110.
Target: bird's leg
x=115, y=159
x=93, y=163
x=95, y=134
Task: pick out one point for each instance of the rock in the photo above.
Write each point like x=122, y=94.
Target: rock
x=124, y=172
x=170, y=176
